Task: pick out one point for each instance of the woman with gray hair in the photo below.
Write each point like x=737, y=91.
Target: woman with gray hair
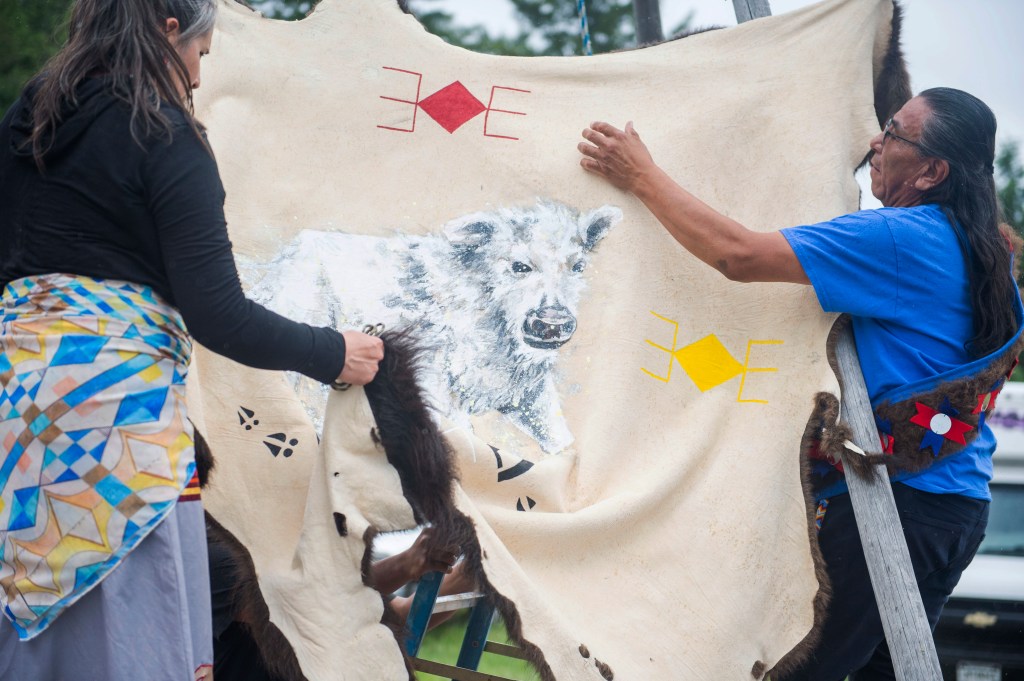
x=115, y=257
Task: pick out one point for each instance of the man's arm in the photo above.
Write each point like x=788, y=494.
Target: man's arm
x=424, y=556
x=740, y=254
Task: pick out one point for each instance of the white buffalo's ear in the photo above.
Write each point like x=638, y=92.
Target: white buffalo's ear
x=595, y=224
x=470, y=231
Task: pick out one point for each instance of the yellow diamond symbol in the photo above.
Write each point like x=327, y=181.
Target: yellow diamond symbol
x=708, y=363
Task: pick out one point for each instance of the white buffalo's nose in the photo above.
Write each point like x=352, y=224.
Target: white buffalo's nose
x=549, y=327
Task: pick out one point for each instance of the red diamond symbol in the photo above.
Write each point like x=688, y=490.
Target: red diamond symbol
x=452, y=106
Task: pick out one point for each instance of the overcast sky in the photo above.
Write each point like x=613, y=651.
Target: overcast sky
x=973, y=45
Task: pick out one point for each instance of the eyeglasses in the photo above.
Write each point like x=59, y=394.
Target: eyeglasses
x=887, y=133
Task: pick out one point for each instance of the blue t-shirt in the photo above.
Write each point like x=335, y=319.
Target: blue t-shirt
x=900, y=274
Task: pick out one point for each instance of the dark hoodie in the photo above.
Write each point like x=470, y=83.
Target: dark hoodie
x=105, y=207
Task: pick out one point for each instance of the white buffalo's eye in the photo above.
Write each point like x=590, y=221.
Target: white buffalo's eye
x=521, y=267
x=579, y=267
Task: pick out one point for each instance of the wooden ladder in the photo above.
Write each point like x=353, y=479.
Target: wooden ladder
x=885, y=548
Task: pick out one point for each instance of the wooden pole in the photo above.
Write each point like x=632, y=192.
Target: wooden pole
x=881, y=533
x=751, y=9
x=647, y=14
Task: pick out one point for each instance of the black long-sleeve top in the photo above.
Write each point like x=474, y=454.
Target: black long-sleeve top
x=153, y=214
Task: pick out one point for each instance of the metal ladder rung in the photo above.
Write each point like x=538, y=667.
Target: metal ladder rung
x=456, y=601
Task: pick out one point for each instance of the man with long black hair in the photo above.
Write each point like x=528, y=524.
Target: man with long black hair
x=935, y=315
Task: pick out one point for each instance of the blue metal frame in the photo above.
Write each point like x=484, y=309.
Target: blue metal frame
x=420, y=611
x=480, y=618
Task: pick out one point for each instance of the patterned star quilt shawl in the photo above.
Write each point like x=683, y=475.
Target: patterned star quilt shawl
x=96, y=445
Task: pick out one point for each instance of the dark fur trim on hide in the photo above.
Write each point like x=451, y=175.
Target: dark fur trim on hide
x=416, y=449
x=823, y=430
x=204, y=458
x=247, y=599
x=425, y=465
x=407, y=432
x=275, y=650
x=892, y=82
x=962, y=394
x=825, y=436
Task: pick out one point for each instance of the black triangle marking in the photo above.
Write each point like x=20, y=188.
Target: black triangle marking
x=515, y=471
x=246, y=414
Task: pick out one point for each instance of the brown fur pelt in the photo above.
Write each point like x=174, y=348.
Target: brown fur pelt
x=907, y=453
x=406, y=431
x=892, y=82
x=963, y=394
x=247, y=600
x=204, y=458
x=823, y=432
x=414, y=446
x=275, y=651
x=825, y=436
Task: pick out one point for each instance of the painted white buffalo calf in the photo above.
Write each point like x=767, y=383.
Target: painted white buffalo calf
x=492, y=297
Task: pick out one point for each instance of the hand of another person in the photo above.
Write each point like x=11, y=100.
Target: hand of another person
x=619, y=156
x=425, y=555
x=363, y=354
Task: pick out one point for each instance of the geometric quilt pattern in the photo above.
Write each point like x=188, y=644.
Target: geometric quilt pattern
x=95, y=446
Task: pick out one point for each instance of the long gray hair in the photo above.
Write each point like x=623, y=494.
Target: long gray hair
x=125, y=41
x=196, y=17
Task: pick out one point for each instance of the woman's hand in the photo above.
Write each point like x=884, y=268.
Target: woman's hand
x=363, y=354
x=619, y=156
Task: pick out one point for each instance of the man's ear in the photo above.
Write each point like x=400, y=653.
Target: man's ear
x=935, y=173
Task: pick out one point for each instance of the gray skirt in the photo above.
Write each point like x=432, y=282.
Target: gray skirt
x=148, y=620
